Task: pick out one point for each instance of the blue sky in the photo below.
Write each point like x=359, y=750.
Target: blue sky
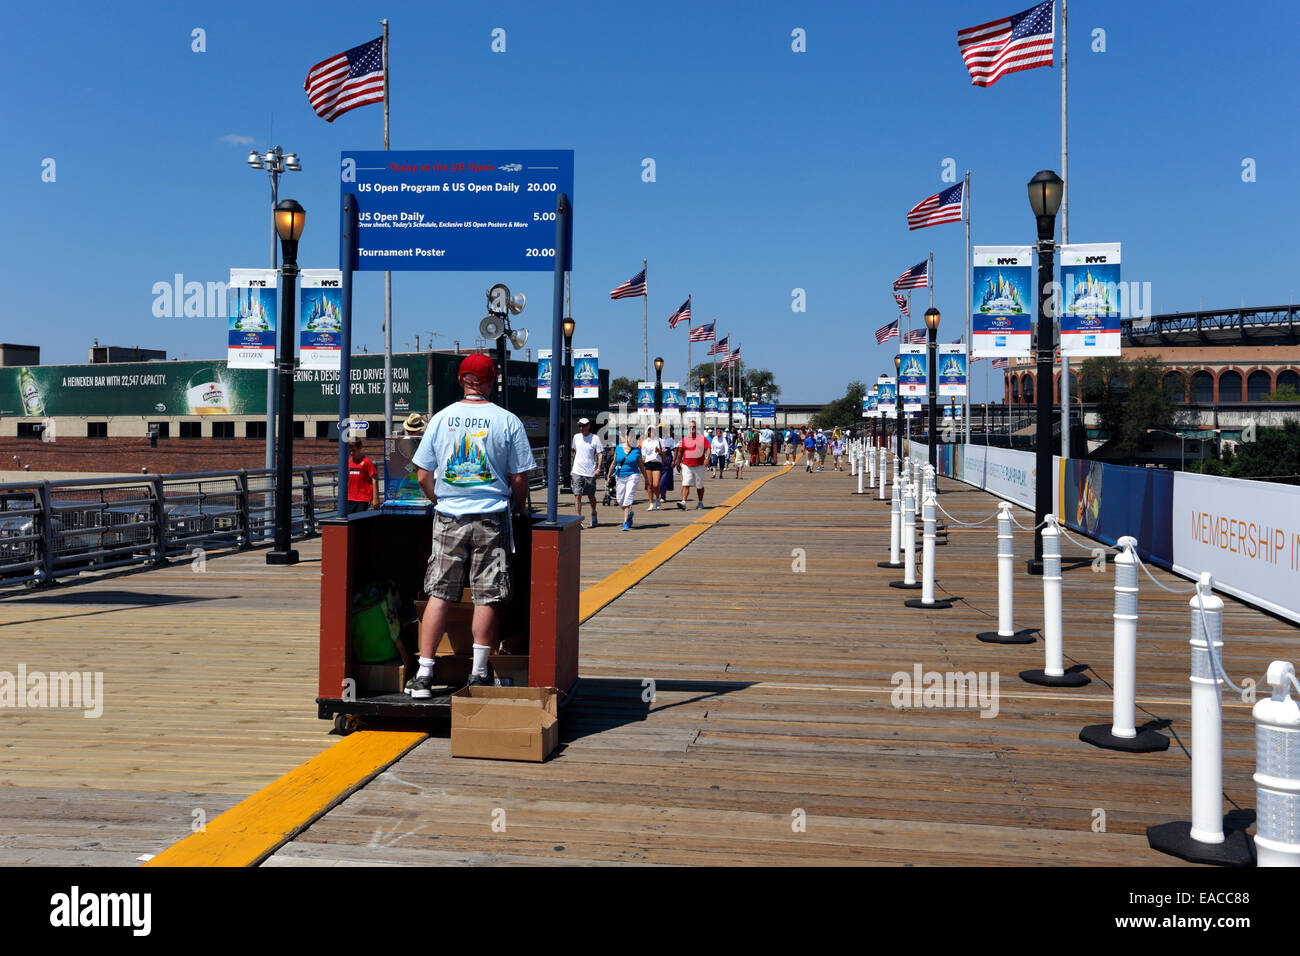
x=775, y=170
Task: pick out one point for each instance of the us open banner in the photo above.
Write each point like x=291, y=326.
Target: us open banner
x=887, y=397
x=320, y=319
x=870, y=406
x=645, y=398
x=1003, y=302
x=952, y=369
x=545, y=371
x=710, y=403
x=251, y=329
x=1090, y=299
x=672, y=391
x=911, y=371
x=586, y=373
x=693, y=402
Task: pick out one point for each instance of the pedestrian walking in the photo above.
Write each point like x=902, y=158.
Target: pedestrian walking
x=627, y=469
x=693, y=456
x=652, y=460
x=587, y=450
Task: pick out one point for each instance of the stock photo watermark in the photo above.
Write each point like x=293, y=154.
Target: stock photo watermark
x=950, y=690
x=75, y=690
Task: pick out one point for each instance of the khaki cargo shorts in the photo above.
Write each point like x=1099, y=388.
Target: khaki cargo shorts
x=477, y=544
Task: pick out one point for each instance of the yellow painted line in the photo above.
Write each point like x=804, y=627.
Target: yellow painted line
x=605, y=591
x=256, y=827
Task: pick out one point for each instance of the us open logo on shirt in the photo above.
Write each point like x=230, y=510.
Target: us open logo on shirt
x=468, y=464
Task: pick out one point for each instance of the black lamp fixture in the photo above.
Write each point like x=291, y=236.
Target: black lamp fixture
x=932, y=429
x=566, y=403
x=290, y=218
x=1045, y=191
x=659, y=389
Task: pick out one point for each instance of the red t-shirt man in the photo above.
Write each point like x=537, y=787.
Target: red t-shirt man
x=363, y=490
x=693, y=450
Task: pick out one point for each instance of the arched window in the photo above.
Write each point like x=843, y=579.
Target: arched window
x=1027, y=388
x=1175, y=385
x=1202, y=387
x=1230, y=387
x=1258, y=385
x=1015, y=389
x=1289, y=377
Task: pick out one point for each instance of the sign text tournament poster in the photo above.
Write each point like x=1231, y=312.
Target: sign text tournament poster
x=251, y=328
x=586, y=373
x=1004, y=302
x=952, y=369
x=545, y=369
x=1090, y=299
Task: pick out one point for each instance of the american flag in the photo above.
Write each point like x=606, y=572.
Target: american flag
x=887, y=332
x=914, y=278
x=915, y=337
x=632, y=288
x=1018, y=42
x=702, y=333
x=943, y=206
x=902, y=304
x=999, y=363
x=720, y=346
x=682, y=313
x=733, y=357
x=353, y=78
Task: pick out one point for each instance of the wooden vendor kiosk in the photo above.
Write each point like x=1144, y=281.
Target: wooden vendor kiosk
x=539, y=628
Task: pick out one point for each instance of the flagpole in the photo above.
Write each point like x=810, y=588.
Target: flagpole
x=645, y=319
x=930, y=282
x=966, y=281
x=1065, y=233
x=688, y=349
x=388, y=287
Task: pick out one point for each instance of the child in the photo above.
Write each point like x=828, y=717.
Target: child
x=740, y=458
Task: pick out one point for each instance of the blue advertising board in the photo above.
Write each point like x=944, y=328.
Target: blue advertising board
x=1107, y=501
x=758, y=410
x=457, y=210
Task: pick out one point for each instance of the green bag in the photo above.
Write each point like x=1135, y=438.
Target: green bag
x=375, y=625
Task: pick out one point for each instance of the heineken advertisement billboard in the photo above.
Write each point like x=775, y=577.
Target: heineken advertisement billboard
x=166, y=389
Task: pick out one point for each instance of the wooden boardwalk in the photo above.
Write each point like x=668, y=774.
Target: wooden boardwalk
x=209, y=687
x=771, y=737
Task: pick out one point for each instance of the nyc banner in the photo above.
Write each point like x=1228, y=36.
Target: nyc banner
x=911, y=371
x=952, y=369
x=320, y=319
x=710, y=403
x=693, y=401
x=672, y=391
x=545, y=373
x=645, y=398
x=251, y=330
x=871, y=406
x=1004, y=301
x=1090, y=299
x=887, y=397
x=586, y=373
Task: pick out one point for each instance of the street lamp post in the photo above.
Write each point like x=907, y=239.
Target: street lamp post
x=289, y=220
x=1182, y=447
x=566, y=396
x=1045, y=191
x=932, y=324
x=700, y=413
x=898, y=415
x=659, y=390
x=275, y=161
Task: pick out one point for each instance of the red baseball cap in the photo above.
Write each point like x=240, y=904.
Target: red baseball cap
x=480, y=366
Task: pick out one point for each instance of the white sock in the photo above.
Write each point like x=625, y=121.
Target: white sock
x=481, y=652
x=426, y=667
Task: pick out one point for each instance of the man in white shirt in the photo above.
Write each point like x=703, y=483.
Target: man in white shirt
x=587, y=449
x=720, y=452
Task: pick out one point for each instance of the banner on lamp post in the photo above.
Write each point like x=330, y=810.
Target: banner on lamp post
x=671, y=402
x=1003, y=300
x=586, y=373
x=887, y=397
x=251, y=329
x=1090, y=299
x=912, y=370
x=545, y=373
x=320, y=311
x=952, y=369
x=645, y=398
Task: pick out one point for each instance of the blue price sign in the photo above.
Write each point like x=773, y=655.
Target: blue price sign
x=461, y=210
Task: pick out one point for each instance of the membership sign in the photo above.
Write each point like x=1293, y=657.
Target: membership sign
x=462, y=210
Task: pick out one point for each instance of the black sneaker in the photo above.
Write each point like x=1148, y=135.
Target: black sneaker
x=418, y=687
x=476, y=681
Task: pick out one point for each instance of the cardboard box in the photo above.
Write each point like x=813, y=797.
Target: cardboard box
x=510, y=670
x=386, y=678
x=505, y=723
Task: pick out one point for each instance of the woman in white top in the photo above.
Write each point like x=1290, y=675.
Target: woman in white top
x=652, y=459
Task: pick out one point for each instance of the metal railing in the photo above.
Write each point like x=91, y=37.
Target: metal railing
x=55, y=529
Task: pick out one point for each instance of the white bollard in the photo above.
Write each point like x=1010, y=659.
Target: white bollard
x=859, y=474
x=1122, y=734
x=884, y=466
x=853, y=465
x=909, y=537
x=1207, y=715
x=1053, y=673
x=1203, y=839
x=895, y=525
x=927, y=601
x=1006, y=632
x=1277, y=771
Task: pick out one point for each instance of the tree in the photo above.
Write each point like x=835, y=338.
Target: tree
x=846, y=411
x=1284, y=393
x=1275, y=451
x=622, y=389
x=1130, y=399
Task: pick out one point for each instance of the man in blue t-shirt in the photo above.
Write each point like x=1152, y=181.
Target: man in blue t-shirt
x=819, y=445
x=473, y=464
x=809, y=452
